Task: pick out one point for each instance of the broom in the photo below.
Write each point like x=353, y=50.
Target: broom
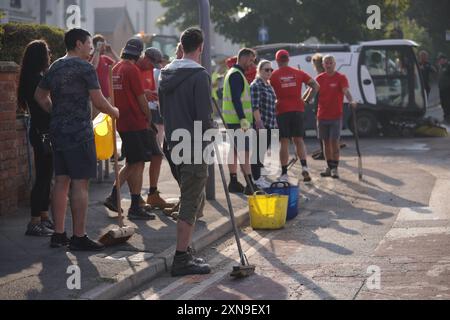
x=123, y=233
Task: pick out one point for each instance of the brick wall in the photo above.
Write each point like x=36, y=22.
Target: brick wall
x=14, y=176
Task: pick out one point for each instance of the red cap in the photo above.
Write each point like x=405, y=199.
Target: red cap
x=282, y=55
x=231, y=62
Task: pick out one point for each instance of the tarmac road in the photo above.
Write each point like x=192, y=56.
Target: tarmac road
x=387, y=237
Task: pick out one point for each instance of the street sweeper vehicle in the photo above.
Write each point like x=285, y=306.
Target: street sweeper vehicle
x=384, y=79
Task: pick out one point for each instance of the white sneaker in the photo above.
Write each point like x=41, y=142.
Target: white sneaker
x=262, y=183
x=284, y=178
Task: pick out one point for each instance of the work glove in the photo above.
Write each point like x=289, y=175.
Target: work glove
x=245, y=125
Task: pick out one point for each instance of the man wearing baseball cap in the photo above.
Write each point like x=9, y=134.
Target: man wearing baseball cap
x=152, y=59
x=287, y=83
x=138, y=139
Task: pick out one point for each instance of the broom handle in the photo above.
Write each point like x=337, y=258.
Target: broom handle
x=116, y=155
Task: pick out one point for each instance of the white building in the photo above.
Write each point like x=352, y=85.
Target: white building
x=143, y=15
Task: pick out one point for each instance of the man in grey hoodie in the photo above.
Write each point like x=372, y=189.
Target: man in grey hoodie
x=185, y=99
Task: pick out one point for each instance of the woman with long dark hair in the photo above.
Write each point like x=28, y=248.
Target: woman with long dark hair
x=35, y=61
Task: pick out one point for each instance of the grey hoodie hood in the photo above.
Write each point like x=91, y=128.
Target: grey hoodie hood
x=176, y=73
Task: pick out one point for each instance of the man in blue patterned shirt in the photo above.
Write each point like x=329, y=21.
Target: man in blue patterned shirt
x=65, y=92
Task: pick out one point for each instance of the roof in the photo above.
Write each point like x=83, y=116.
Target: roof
x=391, y=42
x=107, y=19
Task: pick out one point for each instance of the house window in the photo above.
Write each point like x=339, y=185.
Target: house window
x=17, y=4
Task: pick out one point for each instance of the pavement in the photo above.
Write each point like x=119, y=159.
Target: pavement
x=30, y=269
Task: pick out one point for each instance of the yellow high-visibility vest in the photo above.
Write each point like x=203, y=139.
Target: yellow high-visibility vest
x=229, y=112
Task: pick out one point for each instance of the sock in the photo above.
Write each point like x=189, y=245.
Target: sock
x=284, y=170
x=179, y=253
x=152, y=191
x=330, y=164
x=135, y=198
x=336, y=163
x=233, y=177
x=114, y=193
x=304, y=164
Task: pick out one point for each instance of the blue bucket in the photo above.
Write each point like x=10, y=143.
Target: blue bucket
x=286, y=189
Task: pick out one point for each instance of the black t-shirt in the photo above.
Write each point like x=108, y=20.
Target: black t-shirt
x=40, y=120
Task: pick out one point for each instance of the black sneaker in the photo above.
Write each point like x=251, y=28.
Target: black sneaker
x=48, y=224
x=140, y=214
x=236, y=187
x=59, y=240
x=318, y=156
x=84, y=244
x=184, y=265
x=248, y=190
x=326, y=173
x=306, y=176
x=38, y=230
x=111, y=204
x=197, y=260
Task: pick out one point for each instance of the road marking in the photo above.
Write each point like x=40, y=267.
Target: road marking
x=437, y=209
x=217, y=276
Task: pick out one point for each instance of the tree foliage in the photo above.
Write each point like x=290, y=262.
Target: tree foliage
x=327, y=20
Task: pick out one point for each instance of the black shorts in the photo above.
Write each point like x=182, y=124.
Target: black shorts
x=291, y=125
x=79, y=163
x=139, y=146
x=156, y=117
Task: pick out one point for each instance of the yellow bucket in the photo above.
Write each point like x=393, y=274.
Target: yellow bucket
x=104, y=137
x=268, y=211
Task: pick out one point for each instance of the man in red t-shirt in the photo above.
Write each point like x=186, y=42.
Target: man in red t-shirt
x=287, y=83
x=138, y=140
x=333, y=87
x=103, y=57
x=146, y=64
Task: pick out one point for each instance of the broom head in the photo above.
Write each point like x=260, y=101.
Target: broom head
x=240, y=272
x=117, y=236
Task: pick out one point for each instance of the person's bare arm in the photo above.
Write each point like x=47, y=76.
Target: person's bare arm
x=111, y=53
x=42, y=97
x=103, y=105
x=349, y=97
x=95, y=59
x=314, y=86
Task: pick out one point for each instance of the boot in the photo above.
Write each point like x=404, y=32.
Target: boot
x=156, y=201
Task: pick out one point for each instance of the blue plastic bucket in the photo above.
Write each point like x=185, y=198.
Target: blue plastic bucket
x=284, y=188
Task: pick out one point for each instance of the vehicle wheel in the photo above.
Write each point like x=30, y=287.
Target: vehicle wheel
x=367, y=124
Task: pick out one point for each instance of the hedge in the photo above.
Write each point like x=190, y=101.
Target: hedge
x=15, y=36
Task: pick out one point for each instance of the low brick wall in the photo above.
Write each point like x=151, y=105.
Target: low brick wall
x=14, y=165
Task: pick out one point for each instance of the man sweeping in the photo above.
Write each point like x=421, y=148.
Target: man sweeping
x=185, y=98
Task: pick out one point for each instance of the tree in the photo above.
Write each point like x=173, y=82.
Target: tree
x=287, y=20
x=327, y=20
x=433, y=15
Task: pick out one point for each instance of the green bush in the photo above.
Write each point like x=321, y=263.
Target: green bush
x=14, y=37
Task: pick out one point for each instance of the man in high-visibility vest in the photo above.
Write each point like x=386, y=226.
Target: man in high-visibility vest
x=238, y=115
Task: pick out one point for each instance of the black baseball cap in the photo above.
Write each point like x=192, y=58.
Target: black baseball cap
x=134, y=47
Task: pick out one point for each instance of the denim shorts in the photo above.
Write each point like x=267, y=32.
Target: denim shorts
x=79, y=163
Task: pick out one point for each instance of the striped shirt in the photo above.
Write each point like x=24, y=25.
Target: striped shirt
x=264, y=99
